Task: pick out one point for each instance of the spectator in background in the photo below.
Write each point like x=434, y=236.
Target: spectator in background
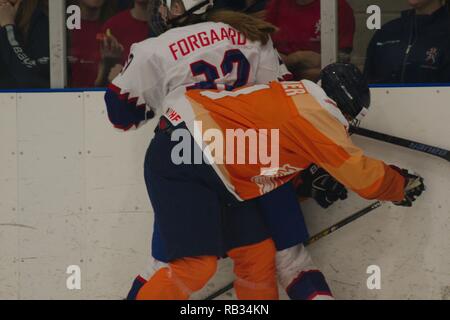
x=298, y=38
x=121, y=31
x=414, y=48
x=84, y=45
x=24, y=44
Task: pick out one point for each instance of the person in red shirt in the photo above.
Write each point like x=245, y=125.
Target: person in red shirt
x=121, y=32
x=83, y=51
x=298, y=38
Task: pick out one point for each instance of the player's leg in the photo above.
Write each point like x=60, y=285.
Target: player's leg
x=295, y=269
x=300, y=277
x=252, y=251
x=137, y=285
x=187, y=205
x=255, y=270
x=195, y=215
x=151, y=268
x=179, y=279
x=152, y=265
x=187, y=224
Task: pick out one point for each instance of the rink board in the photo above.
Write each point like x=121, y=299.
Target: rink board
x=72, y=193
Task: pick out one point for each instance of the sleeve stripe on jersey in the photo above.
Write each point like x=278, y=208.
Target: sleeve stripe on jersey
x=123, y=112
x=125, y=96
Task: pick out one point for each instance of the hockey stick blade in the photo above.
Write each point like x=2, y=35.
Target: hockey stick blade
x=314, y=238
x=413, y=145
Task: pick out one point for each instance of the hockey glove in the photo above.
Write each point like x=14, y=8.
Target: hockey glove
x=318, y=184
x=414, y=187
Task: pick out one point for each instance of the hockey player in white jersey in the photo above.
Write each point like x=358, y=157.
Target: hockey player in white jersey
x=202, y=55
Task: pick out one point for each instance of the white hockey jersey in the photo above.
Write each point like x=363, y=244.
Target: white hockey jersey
x=202, y=56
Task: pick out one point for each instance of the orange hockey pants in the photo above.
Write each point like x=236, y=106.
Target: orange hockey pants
x=254, y=267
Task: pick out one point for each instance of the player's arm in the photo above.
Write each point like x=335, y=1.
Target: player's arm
x=314, y=182
x=135, y=91
x=332, y=149
x=270, y=66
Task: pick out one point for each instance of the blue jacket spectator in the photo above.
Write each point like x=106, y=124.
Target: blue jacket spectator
x=412, y=49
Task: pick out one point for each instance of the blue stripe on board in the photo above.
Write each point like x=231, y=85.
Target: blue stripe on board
x=409, y=85
x=54, y=90
x=386, y=85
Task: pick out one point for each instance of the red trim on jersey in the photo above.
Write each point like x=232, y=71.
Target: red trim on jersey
x=331, y=102
x=141, y=280
x=125, y=96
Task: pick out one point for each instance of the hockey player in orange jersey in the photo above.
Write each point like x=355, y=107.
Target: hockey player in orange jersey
x=312, y=123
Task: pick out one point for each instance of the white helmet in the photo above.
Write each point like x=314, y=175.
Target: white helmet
x=202, y=5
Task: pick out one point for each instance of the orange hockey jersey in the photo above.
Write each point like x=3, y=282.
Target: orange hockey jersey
x=297, y=125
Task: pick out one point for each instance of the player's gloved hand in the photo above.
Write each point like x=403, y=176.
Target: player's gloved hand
x=318, y=184
x=414, y=187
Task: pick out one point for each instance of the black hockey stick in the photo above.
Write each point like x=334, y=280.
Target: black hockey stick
x=435, y=151
x=343, y=223
x=313, y=239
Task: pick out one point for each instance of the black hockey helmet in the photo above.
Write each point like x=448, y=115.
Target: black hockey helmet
x=347, y=86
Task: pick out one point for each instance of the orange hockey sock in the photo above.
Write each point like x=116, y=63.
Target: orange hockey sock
x=255, y=270
x=179, y=280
